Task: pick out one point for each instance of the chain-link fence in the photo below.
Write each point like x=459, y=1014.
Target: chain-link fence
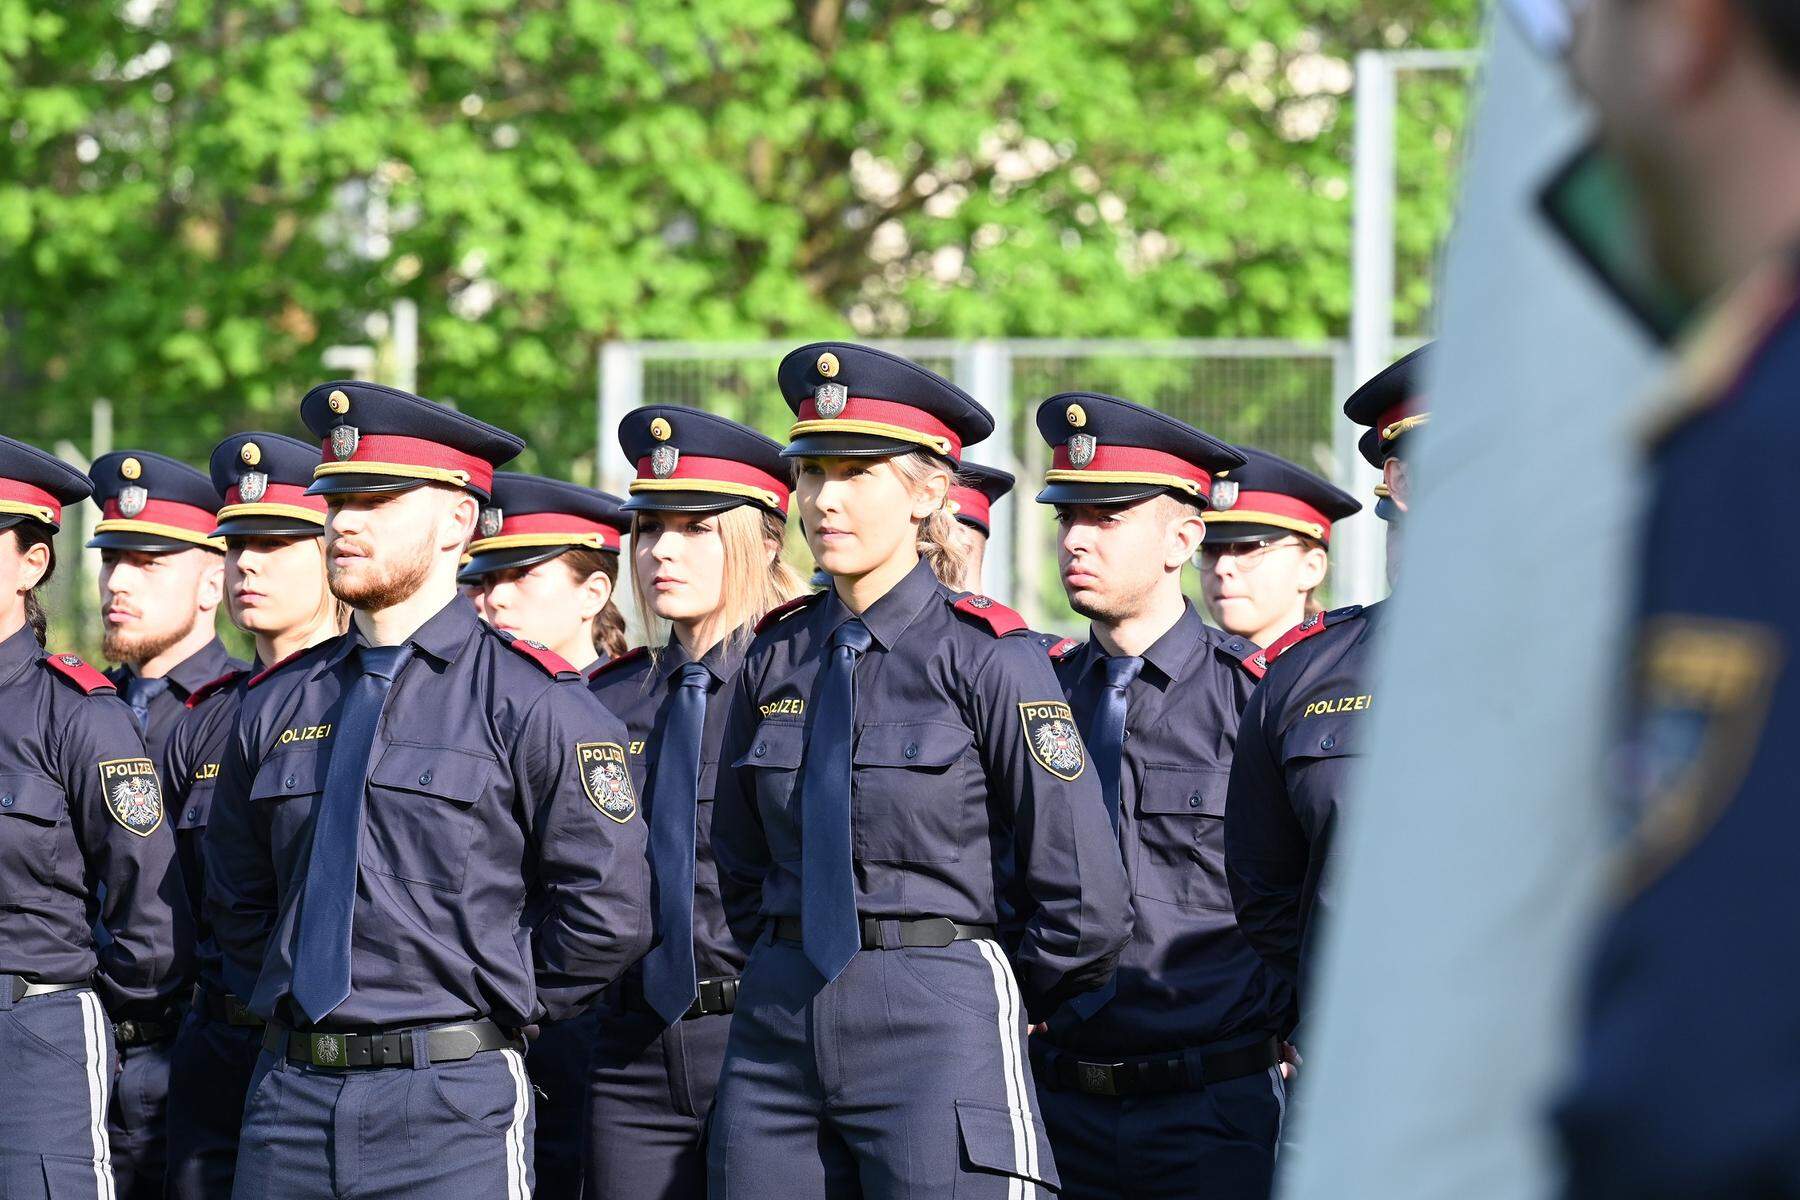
x=1284, y=397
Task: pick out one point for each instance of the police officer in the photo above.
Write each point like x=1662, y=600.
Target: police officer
x=1689, y=1048
x=972, y=498
x=546, y=559
x=161, y=581
x=424, y=838
x=892, y=741
x=83, y=845
x=275, y=591
x=1268, y=545
x=1304, y=729
x=1167, y=1083
x=709, y=507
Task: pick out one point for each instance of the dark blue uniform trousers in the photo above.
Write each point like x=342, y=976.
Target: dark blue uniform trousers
x=650, y=1090
x=137, y=1120
x=1214, y=1143
x=557, y=1063
x=450, y=1131
x=904, y=1077
x=208, y=1081
x=56, y=1061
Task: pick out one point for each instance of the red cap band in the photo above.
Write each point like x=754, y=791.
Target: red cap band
x=886, y=412
x=550, y=524
x=1398, y=412
x=700, y=470
x=972, y=504
x=1276, y=504
x=165, y=512
x=24, y=493
x=289, y=494
x=1136, y=459
x=391, y=449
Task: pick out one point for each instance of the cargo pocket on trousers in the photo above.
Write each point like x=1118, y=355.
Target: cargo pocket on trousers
x=1000, y=1148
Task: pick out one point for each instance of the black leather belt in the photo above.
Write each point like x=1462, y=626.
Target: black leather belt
x=23, y=989
x=127, y=1034
x=717, y=997
x=1151, y=1074
x=350, y=1051
x=925, y=933
x=224, y=1007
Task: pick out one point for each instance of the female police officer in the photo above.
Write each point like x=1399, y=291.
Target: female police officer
x=900, y=755
x=81, y=833
x=709, y=507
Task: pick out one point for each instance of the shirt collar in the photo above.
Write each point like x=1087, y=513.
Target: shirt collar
x=722, y=660
x=890, y=616
x=1170, y=653
x=201, y=667
x=443, y=637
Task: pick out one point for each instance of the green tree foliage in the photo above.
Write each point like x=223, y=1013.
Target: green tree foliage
x=197, y=197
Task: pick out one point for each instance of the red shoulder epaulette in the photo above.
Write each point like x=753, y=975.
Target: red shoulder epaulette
x=986, y=611
x=206, y=691
x=613, y=664
x=547, y=660
x=77, y=672
x=1063, y=649
x=781, y=611
x=274, y=667
x=1259, y=661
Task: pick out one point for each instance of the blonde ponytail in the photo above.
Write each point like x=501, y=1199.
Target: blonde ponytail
x=939, y=543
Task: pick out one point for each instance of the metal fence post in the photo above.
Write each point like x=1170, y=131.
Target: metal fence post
x=621, y=390
x=984, y=370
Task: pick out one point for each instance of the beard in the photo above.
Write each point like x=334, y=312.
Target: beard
x=372, y=584
x=135, y=646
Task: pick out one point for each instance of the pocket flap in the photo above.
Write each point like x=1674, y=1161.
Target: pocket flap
x=32, y=798
x=194, y=812
x=1006, y=1142
x=289, y=775
x=1332, y=737
x=459, y=776
x=777, y=744
x=914, y=744
x=1189, y=791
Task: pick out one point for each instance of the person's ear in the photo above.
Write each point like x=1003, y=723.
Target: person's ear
x=1314, y=563
x=33, y=564
x=930, y=495
x=596, y=590
x=1186, y=535
x=211, y=590
x=1398, y=482
x=460, y=518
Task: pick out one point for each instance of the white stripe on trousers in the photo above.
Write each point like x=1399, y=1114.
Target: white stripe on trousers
x=516, y=1166
x=99, y=1079
x=1012, y=1061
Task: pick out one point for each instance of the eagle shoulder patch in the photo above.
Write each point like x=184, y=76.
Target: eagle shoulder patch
x=1051, y=735
x=133, y=795
x=607, y=780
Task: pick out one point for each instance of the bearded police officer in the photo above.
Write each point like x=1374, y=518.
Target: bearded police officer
x=424, y=838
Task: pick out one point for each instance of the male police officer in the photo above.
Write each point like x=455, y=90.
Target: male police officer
x=1303, y=730
x=1688, y=1072
x=161, y=581
x=1168, y=1081
x=424, y=838
x=972, y=498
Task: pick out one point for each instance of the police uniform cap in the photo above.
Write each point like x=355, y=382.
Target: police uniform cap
x=153, y=503
x=1391, y=404
x=977, y=489
x=687, y=460
x=261, y=480
x=35, y=486
x=850, y=400
x=532, y=519
x=1269, y=496
x=381, y=439
x=1112, y=451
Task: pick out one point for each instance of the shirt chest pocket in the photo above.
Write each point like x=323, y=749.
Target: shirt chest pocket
x=907, y=806
x=421, y=816
x=284, y=793
x=1181, y=837
x=33, y=812
x=774, y=758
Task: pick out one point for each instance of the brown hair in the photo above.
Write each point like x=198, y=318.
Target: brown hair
x=29, y=534
x=609, y=622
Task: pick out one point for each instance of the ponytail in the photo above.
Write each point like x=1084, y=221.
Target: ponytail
x=609, y=622
x=940, y=544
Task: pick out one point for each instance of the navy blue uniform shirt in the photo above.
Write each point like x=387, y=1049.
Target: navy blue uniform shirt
x=503, y=862
x=1302, y=734
x=636, y=689
x=1189, y=977
x=81, y=816
x=1686, y=1081
x=949, y=800
x=188, y=676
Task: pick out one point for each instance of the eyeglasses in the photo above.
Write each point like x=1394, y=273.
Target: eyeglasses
x=1549, y=25
x=1247, y=555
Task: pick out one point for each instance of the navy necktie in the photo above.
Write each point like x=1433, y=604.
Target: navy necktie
x=1105, y=735
x=830, y=932
x=140, y=693
x=328, y=894
x=670, y=984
